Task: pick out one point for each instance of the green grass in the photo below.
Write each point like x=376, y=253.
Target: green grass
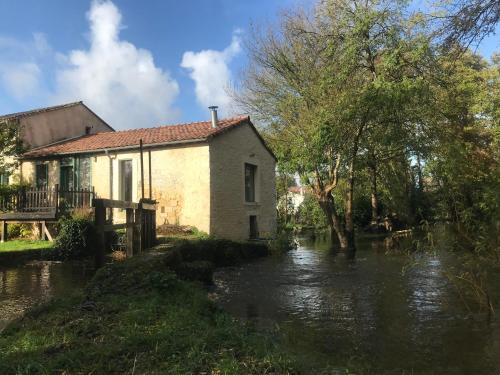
x=22, y=245
x=137, y=317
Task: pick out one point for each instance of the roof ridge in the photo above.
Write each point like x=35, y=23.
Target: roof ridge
x=38, y=110
x=228, y=119
x=185, y=133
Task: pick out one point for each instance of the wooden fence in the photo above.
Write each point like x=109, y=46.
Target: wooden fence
x=140, y=225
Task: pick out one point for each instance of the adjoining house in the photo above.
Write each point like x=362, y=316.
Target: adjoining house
x=218, y=175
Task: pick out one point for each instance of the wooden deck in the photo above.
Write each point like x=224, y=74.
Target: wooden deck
x=40, y=205
x=29, y=216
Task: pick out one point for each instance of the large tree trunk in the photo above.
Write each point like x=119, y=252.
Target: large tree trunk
x=374, y=194
x=334, y=223
x=349, y=220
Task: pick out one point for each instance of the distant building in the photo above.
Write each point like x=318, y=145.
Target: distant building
x=296, y=195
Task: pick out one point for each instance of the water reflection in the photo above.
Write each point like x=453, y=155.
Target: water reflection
x=367, y=311
x=24, y=286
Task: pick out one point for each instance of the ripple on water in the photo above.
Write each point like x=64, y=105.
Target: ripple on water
x=332, y=308
x=27, y=285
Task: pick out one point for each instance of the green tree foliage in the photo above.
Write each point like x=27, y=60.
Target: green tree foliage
x=366, y=106
x=310, y=214
x=11, y=145
x=285, y=205
x=329, y=84
x=464, y=164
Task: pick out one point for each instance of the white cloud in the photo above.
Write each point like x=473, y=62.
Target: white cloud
x=210, y=71
x=116, y=79
x=20, y=80
x=20, y=72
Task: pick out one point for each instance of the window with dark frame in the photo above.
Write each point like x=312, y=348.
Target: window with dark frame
x=126, y=180
x=4, y=178
x=250, y=172
x=42, y=175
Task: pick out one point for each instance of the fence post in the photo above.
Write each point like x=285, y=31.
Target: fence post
x=41, y=230
x=56, y=197
x=129, y=214
x=139, y=230
x=4, y=235
x=153, y=227
x=22, y=200
x=99, y=221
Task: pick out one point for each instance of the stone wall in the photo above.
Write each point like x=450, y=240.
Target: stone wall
x=229, y=211
x=180, y=182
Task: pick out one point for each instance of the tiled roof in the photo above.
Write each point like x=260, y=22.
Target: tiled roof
x=181, y=133
x=38, y=110
x=298, y=189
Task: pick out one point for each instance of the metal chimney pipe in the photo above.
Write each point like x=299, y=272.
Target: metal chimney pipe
x=213, y=112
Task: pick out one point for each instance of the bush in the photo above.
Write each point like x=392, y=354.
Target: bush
x=310, y=214
x=20, y=230
x=76, y=238
x=200, y=270
x=220, y=252
x=283, y=242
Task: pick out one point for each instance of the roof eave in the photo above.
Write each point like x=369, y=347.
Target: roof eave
x=249, y=122
x=107, y=149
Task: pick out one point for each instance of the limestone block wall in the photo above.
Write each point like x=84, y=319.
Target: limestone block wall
x=180, y=182
x=26, y=172
x=100, y=172
x=229, y=211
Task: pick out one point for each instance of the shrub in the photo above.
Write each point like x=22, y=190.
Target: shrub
x=76, y=238
x=200, y=270
x=283, y=242
x=220, y=252
x=20, y=230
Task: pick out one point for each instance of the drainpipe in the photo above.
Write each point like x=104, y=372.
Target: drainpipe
x=110, y=182
x=110, y=173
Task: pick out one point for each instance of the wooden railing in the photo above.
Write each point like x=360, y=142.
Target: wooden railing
x=45, y=199
x=140, y=225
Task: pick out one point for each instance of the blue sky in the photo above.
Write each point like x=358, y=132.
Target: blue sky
x=135, y=63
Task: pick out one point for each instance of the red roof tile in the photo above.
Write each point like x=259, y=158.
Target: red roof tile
x=196, y=131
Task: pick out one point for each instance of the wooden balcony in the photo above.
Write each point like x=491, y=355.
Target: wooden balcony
x=43, y=203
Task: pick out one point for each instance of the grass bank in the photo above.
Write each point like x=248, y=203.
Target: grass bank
x=138, y=316
x=20, y=251
x=24, y=245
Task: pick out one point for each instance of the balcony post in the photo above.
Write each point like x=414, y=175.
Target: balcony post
x=56, y=196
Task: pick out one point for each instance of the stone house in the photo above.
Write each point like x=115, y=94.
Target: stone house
x=217, y=175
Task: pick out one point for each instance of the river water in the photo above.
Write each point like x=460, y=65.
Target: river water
x=377, y=314
x=24, y=286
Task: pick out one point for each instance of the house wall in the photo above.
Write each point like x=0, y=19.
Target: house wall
x=180, y=181
x=229, y=211
x=25, y=173
x=53, y=126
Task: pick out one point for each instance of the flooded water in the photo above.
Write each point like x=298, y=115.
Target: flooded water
x=25, y=286
x=372, y=314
